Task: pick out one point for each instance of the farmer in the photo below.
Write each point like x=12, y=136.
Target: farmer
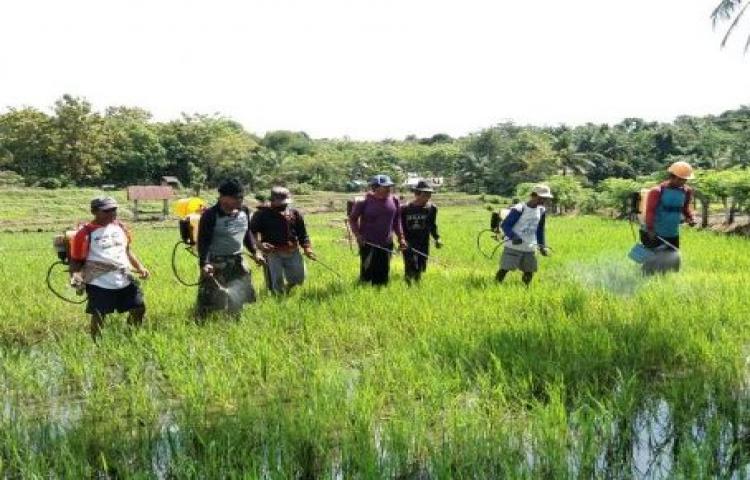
x=419, y=221
x=282, y=232
x=373, y=222
x=524, y=230
x=223, y=229
x=666, y=205
x=100, y=262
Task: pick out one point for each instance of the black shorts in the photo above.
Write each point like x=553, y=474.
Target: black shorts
x=106, y=300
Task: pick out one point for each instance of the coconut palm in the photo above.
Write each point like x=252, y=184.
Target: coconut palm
x=730, y=10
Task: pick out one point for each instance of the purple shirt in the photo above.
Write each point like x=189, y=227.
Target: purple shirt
x=375, y=220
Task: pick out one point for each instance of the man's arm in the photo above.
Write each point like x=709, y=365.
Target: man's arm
x=249, y=240
x=540, y=237
x=137, y=265
x=301, y=230
x=687, y=208
x=354, y=218
x=652, y=202
x=205, y=235
x=396, y=225
x=432, y=219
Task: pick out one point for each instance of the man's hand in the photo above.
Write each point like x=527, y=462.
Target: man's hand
x=309, y=253
x=402, y=245
x=516, y=241
x=259, y=259
x=208, y=270
x=142, y=272
x=438, y=243
x=266, y=247
x=76, y=280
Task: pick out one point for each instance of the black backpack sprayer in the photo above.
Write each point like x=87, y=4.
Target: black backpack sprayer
x=62, y=289
x=496, y=238
x=493, y=234
x=187, y=244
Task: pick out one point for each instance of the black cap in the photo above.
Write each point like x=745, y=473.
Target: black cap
x=424, y=186
x=231, y=188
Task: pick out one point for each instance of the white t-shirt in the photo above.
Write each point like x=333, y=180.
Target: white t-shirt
x=109, y=245
x=526, y=227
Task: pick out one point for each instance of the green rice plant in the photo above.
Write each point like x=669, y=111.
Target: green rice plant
x=592, y=371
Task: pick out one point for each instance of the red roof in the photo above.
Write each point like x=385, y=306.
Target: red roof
x=150, y=192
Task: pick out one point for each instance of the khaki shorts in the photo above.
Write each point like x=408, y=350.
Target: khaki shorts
x=518, y=260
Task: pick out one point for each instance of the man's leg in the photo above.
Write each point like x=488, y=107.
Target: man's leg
x=135, y=316
x=500, y=275
x=510, y=260
x=411, y=267
x=275, y=274
x=381, y=266
x=294, y=270
x=97, y=321
x=131, y=300
x=366, y=254
x=529, y=266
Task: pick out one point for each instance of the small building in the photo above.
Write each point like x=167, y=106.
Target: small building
x=170, y=181
x=413, y=178
x=150, y=193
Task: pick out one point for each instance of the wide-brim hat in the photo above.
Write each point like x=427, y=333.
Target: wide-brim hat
x=542, y=191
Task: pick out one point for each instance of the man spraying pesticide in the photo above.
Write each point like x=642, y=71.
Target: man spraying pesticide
x=100, y=262
x=419, y=221
x=222, y=232
x=524, y=229
x=373, y=222
x=664, y=208
x=282, y=232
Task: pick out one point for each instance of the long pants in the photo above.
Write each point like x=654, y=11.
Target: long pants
x=374, y=264
x=229, y=288
x=284, y=270
x=414, y=263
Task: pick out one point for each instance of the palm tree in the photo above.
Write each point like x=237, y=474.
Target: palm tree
x=732, y=10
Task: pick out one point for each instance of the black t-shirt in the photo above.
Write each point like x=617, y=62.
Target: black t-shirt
x=419, y=222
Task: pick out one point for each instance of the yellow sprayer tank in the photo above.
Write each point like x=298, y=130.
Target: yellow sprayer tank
x=189, y=228
x=186, y=206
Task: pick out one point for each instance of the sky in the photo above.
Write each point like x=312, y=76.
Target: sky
x=374, y=69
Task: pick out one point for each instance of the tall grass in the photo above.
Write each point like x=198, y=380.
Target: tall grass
x=593, y=371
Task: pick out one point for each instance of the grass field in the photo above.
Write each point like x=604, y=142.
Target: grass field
x=38, y=209
x=594, y=371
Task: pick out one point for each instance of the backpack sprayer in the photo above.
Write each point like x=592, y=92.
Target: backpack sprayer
x=62, y=244
x=496, y=234
x=659, y=259
x=188, y=209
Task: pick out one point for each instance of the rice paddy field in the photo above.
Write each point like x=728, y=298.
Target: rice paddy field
x=592, y=372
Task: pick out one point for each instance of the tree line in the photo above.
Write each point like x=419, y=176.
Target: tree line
x=74, y=145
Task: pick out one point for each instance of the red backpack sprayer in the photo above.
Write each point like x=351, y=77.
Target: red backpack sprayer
x=61, y=268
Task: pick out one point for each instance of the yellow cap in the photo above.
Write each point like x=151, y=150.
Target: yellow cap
x=682, y=170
